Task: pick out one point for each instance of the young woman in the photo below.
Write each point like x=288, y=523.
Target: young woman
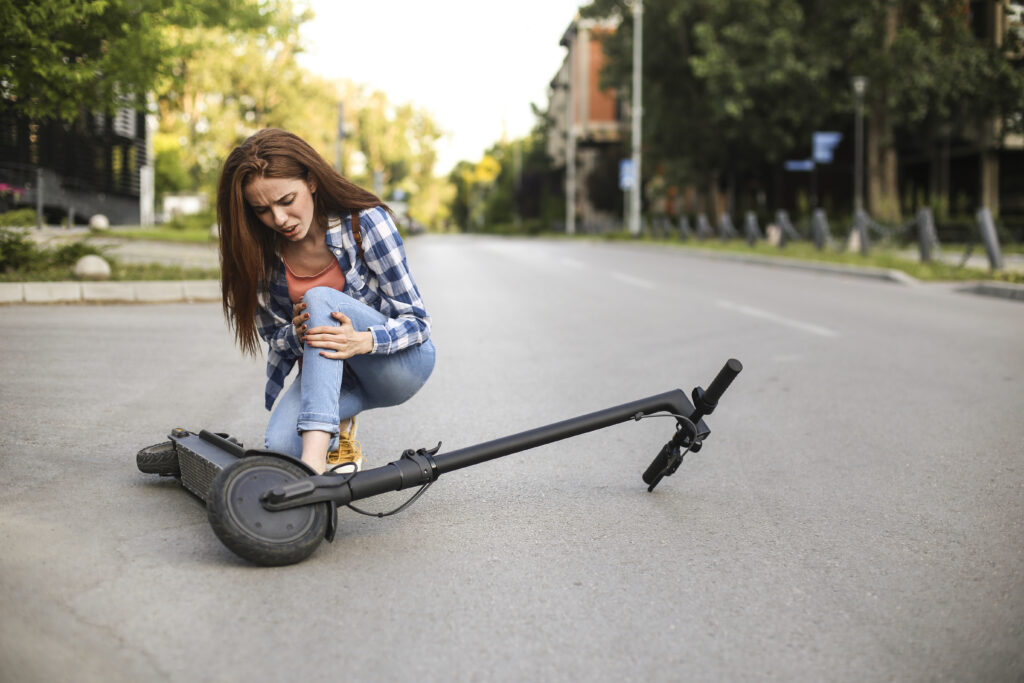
x=314, y=265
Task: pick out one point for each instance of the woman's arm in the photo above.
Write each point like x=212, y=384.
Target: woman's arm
x=274, y=324
x=408, y=323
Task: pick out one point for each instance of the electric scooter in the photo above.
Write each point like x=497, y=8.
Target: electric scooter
x=272, y=509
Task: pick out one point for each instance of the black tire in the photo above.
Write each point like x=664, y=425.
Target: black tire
x=251, y=531
x=159, y=459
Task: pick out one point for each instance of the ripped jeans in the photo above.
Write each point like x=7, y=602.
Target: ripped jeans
x=328, y=391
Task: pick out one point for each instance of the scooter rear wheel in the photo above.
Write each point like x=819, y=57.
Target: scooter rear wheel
x=160, y=459
x=251, y=531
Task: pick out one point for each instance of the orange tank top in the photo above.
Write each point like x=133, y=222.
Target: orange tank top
x=298, y=285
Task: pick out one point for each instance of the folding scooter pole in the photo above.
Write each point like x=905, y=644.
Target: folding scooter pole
x=423, y=466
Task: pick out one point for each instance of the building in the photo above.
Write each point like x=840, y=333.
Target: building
x=955, y=171
x=979, y=165
x=96, y=164
x=590, y=148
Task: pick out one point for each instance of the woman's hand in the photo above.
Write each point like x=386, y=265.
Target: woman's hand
x=299, y=320
x=339, y=342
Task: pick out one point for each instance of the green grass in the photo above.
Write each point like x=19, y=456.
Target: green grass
x=880, y=257
x=163, y=234
x=22, y=260
x=119, y=272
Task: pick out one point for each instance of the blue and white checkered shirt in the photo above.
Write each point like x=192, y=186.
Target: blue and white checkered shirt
x=380, y=279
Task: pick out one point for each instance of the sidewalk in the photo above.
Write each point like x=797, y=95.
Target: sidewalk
x=180, y=254
x=207, y=256
x=127, y=251
x=149, y=292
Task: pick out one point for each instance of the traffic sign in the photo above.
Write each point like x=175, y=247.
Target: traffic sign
x=627, y=174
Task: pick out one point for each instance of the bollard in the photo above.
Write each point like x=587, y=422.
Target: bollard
x=703, y=227
x=685, y=232
x=860, y=225
x=990, y=238
x=725, y=228
x=789, y=233
x=928, y=240
x=752, y=229
x=819, y=228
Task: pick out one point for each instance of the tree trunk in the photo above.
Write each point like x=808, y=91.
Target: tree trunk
x=882, y=160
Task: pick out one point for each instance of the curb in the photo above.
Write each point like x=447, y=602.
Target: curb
x=887, y=274
x=1003, y=290
x=156, y=291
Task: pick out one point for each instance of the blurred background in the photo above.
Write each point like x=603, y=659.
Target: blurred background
x=524, y=120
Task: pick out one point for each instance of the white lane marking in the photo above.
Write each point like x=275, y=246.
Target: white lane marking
x=634, y=281
x=572, y=263
x=788, y=322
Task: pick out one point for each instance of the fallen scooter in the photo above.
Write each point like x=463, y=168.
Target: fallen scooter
x=272, y=509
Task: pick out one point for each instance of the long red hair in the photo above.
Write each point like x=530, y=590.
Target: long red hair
x=248, y=249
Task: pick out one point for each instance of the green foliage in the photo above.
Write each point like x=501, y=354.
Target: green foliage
x=67, y=255
x=19, y=218
x=513, y=180
x=233, y=84
x=170, y=172
x=61, y=58
x=19, y=254
x=196, y=222
x=733, y=85
x=22, y=260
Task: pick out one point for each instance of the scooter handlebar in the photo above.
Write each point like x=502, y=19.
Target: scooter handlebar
x=666, y=462
x=722, y=380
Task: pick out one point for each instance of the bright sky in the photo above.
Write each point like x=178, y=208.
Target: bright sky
x=472, y=64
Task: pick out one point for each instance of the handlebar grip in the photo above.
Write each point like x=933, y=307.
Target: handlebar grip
x=722, y=381
x=652, y=474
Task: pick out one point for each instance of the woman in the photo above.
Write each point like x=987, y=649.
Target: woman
x=314, y=265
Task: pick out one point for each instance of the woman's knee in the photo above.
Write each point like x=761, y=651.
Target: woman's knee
x=325, y=296
x=322, y=301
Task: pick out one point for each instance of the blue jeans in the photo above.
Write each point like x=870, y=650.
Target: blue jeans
x=328, y=391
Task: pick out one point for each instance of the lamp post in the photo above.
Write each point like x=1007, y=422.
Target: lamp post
x=338, y=158
x=638, y=44
x=860, y=85
x=570, y=154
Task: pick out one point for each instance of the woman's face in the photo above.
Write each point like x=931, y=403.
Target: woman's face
x=285, y=205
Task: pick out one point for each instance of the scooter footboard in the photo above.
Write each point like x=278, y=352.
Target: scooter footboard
x=201, y=457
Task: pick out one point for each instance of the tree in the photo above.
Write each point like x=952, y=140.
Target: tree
x=728, y=85
x=731, y=86
x=61, y=58
x=930, y=76
x=233, y=84
x=511, y=187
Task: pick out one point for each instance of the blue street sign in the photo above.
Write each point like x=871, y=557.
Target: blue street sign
x=824, y=142
x=627, y=174
x=799, y=165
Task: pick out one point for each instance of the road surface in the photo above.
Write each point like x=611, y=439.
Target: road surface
x=856, y=514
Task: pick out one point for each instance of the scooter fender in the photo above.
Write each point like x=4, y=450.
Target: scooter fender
x=332, y=510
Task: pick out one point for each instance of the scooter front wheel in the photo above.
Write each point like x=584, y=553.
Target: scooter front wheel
x=251, y=531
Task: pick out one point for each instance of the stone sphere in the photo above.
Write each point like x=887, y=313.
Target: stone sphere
x=99, y=222
x=92, y=267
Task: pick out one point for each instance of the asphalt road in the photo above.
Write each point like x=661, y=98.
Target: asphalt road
x=856, y=515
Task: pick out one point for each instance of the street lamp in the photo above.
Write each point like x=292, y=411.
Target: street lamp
x=860, y=85
x=638, y=35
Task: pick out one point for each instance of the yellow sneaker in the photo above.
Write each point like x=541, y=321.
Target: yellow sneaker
x=348, y=452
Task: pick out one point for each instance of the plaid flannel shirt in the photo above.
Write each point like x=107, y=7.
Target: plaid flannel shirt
x=380, y=279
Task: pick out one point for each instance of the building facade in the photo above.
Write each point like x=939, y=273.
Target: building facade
x=588, y=131
x=96, y=164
